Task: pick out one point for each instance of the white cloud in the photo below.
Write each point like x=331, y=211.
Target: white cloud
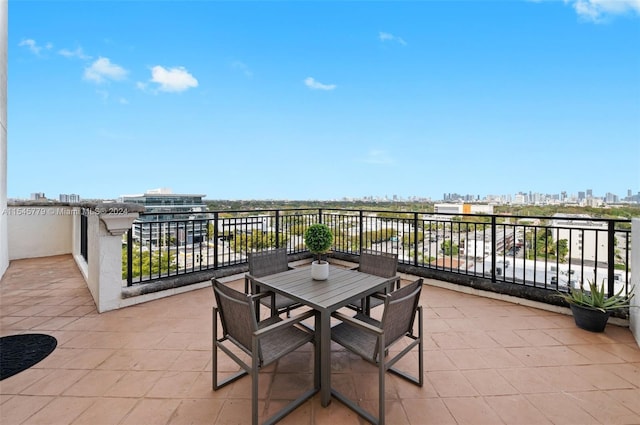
x=172, y=80
x=385, y=36
x=33, y=46
x=598, y=10
x=102, y=69
x=243, y=68
x=378, y=156
x=78, y=53
x=316, y=85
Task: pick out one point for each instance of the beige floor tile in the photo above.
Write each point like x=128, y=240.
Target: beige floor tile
x=489, y=382
x=134, y=384
x=17, y=383
x=151, y=411
x=428, y=411
x=516, y=410
x=472, y=411
x=56, y=382
x=526, y=380
x=94, y=384
x=601, y=377
x=191, y=360
x=451, y=384
x=106, y=411
x=196, y=411
x=88, y=358
x=628, y=398
x=605, y=408
x=238, y=411
x=61, y=410
x=486, y=362
x=467, y=359
x=18, y=408
x=561, y=408
x=173, y=384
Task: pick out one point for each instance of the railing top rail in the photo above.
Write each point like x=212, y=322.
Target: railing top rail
x=400, y=213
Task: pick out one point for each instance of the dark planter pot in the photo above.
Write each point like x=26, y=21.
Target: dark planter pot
x=589, y=319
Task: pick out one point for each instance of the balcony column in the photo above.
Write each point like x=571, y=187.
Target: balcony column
x=634, y=311
x=105, y=231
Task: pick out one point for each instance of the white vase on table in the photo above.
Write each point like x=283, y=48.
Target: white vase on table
x=320, y=270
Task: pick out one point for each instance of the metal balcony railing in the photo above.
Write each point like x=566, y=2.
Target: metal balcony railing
x=553, y=253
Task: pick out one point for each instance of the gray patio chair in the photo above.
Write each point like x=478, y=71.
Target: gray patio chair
x=264, y=263
x=372, y=339
x=383, y=264
x=265, y=342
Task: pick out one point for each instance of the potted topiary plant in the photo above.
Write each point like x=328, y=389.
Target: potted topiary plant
x=319, y=238
x=591, y=309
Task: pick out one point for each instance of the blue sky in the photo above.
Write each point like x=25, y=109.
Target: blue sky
x=323, y=100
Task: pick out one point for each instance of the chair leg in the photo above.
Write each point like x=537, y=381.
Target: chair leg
x=254, y=381
x=214, y=358
x=420, y=348
x=214, y=350
x=381, y=376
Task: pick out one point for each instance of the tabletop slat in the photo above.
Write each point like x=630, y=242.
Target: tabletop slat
x=341, y=288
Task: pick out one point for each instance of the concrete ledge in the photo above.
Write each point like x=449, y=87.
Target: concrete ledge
x=180, y=281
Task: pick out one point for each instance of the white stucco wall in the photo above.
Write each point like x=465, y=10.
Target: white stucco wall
x=4, y=34
x=634, y=311
x=39, y=231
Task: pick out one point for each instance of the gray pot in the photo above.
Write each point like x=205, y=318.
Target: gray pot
x=589, y=319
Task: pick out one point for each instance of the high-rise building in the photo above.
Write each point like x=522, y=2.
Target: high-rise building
x=162, y=205
x=38, y=196
x=70, y=198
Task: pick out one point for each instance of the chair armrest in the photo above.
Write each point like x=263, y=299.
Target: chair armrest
x=398, y=279
x=246, y=284
x=357, y=323
x=379, y=296
x=284, y=323
x=260, y=295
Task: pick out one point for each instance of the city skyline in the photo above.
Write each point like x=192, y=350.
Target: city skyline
x=309, y=100
x=529, y=196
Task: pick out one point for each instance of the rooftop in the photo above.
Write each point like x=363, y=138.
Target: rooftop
x=487, y=361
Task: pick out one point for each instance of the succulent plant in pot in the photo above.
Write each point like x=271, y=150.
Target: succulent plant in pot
x=318, y=238
x=591, y=308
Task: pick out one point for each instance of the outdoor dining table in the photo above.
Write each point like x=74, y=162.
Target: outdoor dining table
x=343, y=287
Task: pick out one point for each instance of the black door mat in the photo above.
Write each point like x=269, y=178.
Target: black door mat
x=20, y=352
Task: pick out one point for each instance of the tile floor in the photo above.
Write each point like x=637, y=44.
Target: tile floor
x=486, y=362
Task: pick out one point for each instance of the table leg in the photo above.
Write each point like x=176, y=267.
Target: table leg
x=325, y=358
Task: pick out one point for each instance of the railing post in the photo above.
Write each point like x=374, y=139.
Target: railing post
x=130, y=256
x=215, y=240
x=320, y=215
x=361, y=232
x=611, y=256
x=415, y=239
x=277, y=229
x=493, y=248
x=84, y=236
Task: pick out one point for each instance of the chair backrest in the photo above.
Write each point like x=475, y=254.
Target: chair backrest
x=237, y=314
x=383, y=264
x=264, y=263
x=400, y=308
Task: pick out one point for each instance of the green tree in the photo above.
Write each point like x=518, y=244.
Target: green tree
x=563, y=250
x=255, y=241
x=448, y=248
x=148, y=263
